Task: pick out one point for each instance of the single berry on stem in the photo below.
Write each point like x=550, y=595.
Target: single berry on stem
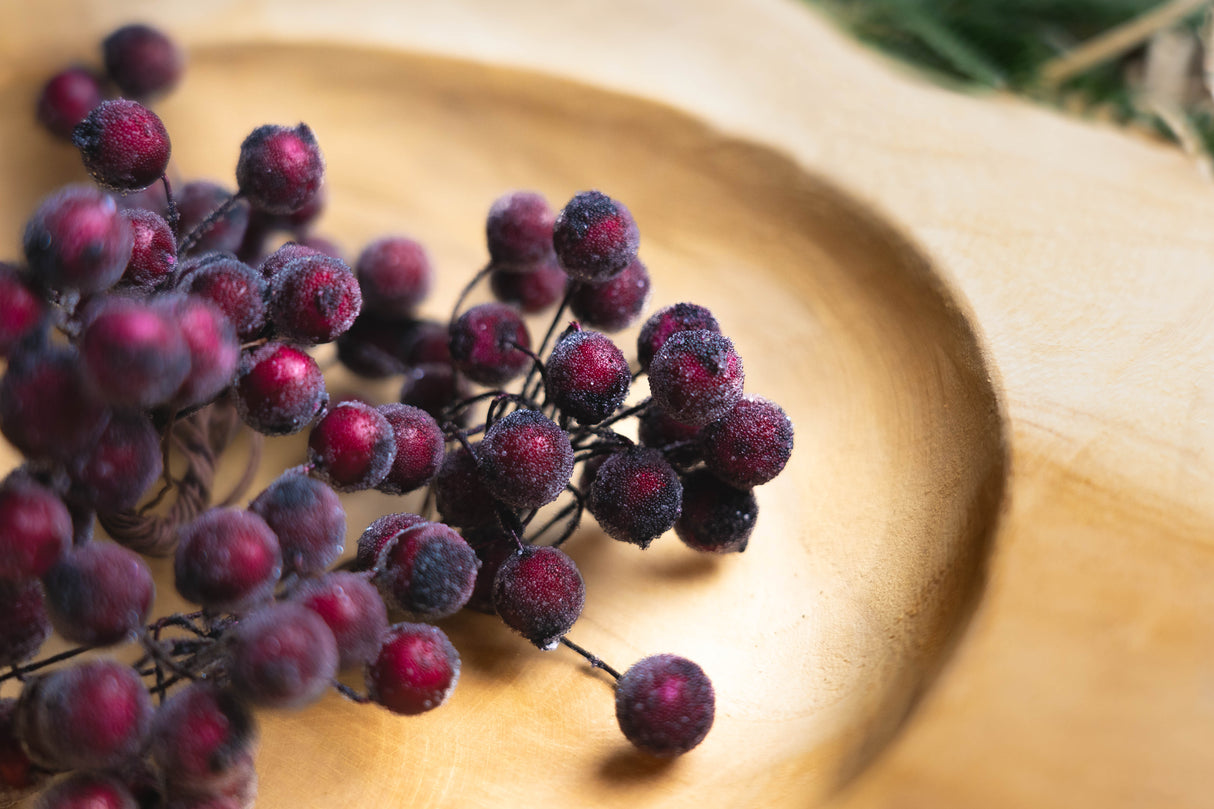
x=595, y=237
x=665, y=705
x=750, y=444
x=665, y=322
x=352, y=609
x=415, y=670
x=716, y=517
x=427, y=572
x=279, y=389
x=419, y=448
x=696, y=377
x=77, y=239
x=539, y=593
x=352, y=447
x=280, y=168
x=125, y=146
x=227, y=559
x=395, y=275
x=636, y=496
x=518, y=231
x=490, y=344
x=283, y=656
x=525, y=459
x=587, y=376
x=307, y=517
x=66, y=98
x=143, y=61
x=99, y=594
x=615, y=304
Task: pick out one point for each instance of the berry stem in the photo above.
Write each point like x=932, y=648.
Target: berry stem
x=19, y=672
x=187, y=243
x=556, y=319
x=351, y=694
x=467, y=290
x=594, y=660
x=174, y=221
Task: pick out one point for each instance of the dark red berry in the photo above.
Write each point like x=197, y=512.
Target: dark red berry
x=314, y=299
x=283, y=656
x=352, y=447
x=24, y=625
x=203, y=738
x=636, y=496
x=375, y=347
x=279, y=389
x=86, y=790
x=434, y=387
x=233, y=286
x=78, y=239
x=429, y=341
x=750, y=445
x=99, y=594
x=665, y=705
x=696, y=377
x=427, y=572
x=525, y=459
x=395, y=275
x=22, y=310
x=352, y=609
x=518, y=231
x=587, y=376
x=485, y=343
x=595, y=237
x=227, y=559
x=460, y=493
x=379, y=533
x=143, y=61
x=124, y=145
x=196, y=201
x=615, y=304
x=280, y=168
x=124, y=462
x=274, y=263
x=716, y=517
x=307, y=517
x=415, y=671
x=534, y=291
x=419, y=448
x=47, y=411
x=153, y=252
x=539, y=593
x=211, y=341
x=35, y=529
x=66, y=98
x=665, y=322
x=133, y=354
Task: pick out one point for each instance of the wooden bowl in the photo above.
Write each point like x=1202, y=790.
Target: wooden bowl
x=870, y=549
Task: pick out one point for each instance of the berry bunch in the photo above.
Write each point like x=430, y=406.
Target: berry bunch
x=157, y=324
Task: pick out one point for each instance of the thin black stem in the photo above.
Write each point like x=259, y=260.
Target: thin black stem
x=579, y=505
x=594, y=660
x=467, y=290
x=20, y=671
x=191, y=239
x=556, y=319
x=174, y=219
x=350, y=694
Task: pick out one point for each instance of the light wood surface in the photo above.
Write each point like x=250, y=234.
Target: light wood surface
x=1082, y=257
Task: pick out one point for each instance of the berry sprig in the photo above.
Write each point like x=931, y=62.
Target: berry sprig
x=143, y=331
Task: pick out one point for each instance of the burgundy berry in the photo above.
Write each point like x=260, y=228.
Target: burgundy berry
x=22, y=309
x=395, y=275
x=91, y=715
x=99, y=594
x=696, y=377
x=280, y=168
x=86, y=790
x=133, y=354
x=595, y=237
x=66, y=98
x=352, y=447
x=420, y=445
x=17, y=772
x=78, y=239
x=153, y=252
x=749, y=445
x=213, y=346
x=434, y=387
x=47, y=411
x=203, y=738
x=352, y=608
x=35, y=528
x=314, y=299
x=116, y=470
x=665, y=705
x=636, y=496
x=587, y=376
x=485, y=343
x=279, y=389
x=283, y=656
x=539, y=593
x=143, y=61
x=427, y=572
x=415, y=671
x=665, y=322
x=124, y=145
x=379, y=534
x=429, y=341
x=678, y=442
x=24, y=626
x=307, y=517
x=274, y=263
x=716, y=517
x=226, y=559
x=374, y=347
x=233, y=286
x=533, y=291
x=460, y=493
x=518, y=231
x=615, y=304
x=525, y=459
x=196, y=201
x=492, y=545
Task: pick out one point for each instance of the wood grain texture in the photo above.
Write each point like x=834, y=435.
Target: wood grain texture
x=1083, y=257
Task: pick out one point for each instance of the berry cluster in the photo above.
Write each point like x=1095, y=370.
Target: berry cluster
x=145, y=326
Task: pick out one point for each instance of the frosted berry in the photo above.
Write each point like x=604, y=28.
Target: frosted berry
x=665, y=705
x=227, y=559
x=24, y=625
x=86, y=790
x=133, y=354
x=539, y=593
x=419, y=448
x=395, y=275
x=427, y=572
x=379, y=533
x=307, y=517
x=314, y=299
x=274, y=263
x=587, y=376
x=518, y=231
x=352, y=609
x=213, y=347
x=485, y=343
x=233, y=286
x=47, y=411
x=279, y=389
x=66, y=98
x=77, y=239
x=750, y=445
x=460, y=493
x=415, y=671
x=283, y=656
x=665, y=322
x=120, y=466
x=124, y=145
x=525, y=459
x=203, y=738
x=615, y=304
x=153, y=251
x=636, y=496
x=595, y=237
x=99, y=594
x=352, y=447
x=716, y=517
x=696, y=377
x=534, y=291
x=280, y=168
x=143, y=61
x=22, y=309
x=35, y=529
